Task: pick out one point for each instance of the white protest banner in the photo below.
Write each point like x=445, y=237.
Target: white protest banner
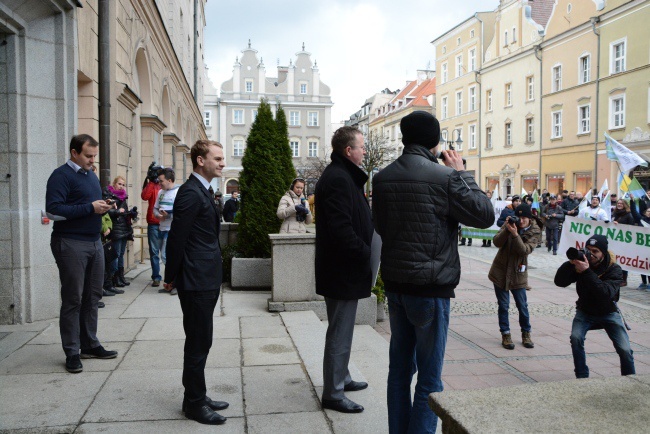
x=489, y=233
x=630, y=244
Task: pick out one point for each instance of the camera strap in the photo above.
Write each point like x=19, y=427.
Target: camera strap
x=622, y=317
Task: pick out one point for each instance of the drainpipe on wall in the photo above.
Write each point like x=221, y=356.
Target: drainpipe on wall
x=538, y=56
x=196, y=52
x=104, y=37
x=477, y=76
x=594, y=21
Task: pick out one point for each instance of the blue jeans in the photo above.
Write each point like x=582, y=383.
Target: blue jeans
x=163, y=246
x=153, y=235
x=418, y=338
x=120, y=248
x=552, y=238
x=613, y=325
x=503, y=298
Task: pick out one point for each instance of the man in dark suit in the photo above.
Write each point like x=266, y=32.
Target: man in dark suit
x=343, y=275
x=194, y=269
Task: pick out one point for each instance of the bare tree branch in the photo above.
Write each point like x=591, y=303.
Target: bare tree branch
x=378, y=154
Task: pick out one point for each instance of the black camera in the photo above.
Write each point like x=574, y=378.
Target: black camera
x=154, y=171
x=572, y=253
x=514, y=220
x=109, y=197
x=132, y=215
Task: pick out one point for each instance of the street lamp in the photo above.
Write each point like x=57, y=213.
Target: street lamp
x=458, y=142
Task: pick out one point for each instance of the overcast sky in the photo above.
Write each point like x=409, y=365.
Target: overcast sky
x=361, y=46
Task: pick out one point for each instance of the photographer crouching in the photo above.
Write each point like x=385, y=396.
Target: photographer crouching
x=516, y=240
x=598, y=282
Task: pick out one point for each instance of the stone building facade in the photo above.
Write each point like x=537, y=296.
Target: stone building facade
x=49, y=91
x=298, y=88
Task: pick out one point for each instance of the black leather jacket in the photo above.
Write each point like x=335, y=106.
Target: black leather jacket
x=417, y=205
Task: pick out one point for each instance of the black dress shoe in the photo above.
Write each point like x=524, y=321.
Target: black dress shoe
x=353, y=386
x=343, y=406
x=100, y=304
x=98, y=353
x=106, y=293
x=215, y=405
x=73, y=364
x=205, y=415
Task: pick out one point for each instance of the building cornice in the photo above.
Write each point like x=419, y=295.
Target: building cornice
x=154, y=122
x=129, y=98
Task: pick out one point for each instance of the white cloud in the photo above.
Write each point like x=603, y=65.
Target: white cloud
x=361, y=47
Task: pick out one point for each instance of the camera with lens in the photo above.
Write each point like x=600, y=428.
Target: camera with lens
x=132, y=215
x=109, y=197
x=301, y=213
x=580, y=254
x=154, y=171
x=514, y=220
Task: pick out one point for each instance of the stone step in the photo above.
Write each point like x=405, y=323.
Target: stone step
x=368, y=362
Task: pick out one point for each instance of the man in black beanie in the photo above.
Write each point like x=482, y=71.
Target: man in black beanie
x=417, y=205
x=598, y=282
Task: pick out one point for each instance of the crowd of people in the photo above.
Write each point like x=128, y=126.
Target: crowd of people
x=418, y=202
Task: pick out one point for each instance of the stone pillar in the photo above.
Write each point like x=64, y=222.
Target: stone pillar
x=291, y=91
x=170, y=140
x=261, y=85
x=151, y=128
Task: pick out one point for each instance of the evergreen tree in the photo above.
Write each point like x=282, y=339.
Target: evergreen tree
x=262, y=185
x=284, y=154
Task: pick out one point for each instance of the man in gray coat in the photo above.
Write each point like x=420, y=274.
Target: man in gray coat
x=418, y=204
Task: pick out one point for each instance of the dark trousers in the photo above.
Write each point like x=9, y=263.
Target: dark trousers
x=338, y=344
x=198, y=308
x=81, y=271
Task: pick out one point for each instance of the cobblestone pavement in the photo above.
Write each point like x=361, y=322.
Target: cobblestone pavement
x=474, y=357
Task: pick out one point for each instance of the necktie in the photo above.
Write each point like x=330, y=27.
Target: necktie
x=211, y=192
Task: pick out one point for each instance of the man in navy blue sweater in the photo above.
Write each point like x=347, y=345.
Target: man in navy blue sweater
x=73, y=192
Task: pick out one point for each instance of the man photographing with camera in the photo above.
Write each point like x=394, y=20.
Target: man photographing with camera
x=598, y=282
x=150, y=190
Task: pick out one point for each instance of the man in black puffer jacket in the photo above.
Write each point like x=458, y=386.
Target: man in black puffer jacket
x=598, y=283
x=418, y=204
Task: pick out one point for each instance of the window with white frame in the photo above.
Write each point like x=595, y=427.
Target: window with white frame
x=459, y=65
x=444, y=49
x=303, y=88
x=617, y=54
x=207, y=118
x=238, y=116
x=488, y=97
x=312, y=119
x=294, y=118
x=294, y=144
x=313, y=148
x=253, y=115
x=557, y=78
x=472, y=59
x=444, y=73
x=530, y=130
x=443, y=136
x=471, y=33
x=617, y=112
x=444, y=106
x=472, y=137
x=505, y=39
x=238, y=148
x=508, y=133
x=472, y=98
x=457, y=41
x=249, y=86
x=488, y=137
x=585, y=69
x=459, y=103
x=514, y=35
x=530, y=88
x=556, y=124
x=508, y=94
x=584, y=113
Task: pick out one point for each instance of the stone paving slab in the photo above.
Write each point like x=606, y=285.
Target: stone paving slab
x=108, y=330
x=166, y=306
x=45, y=359
x=269, y=351
x=138, y=395
x=263, y=327
x=14, y=341
x=169, y=354
x=234, y=425
x=158, y=329
x=289, y=423
x=245, y=303
x=278, y=389
x=37, y=401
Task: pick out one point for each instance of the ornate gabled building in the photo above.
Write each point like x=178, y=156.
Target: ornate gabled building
x=297, y=88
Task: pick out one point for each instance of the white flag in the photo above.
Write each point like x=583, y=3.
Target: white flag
x=523, y=193
x=644, y=224
x=603, y=190
x=606, y=205
x=495, y=196
x=586, y=201
x=627, y=159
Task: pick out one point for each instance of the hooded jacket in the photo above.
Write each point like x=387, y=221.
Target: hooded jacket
x=547, y=213
x=513, y=253
x=287, y=213
x=417, y=205
x=597, y=288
